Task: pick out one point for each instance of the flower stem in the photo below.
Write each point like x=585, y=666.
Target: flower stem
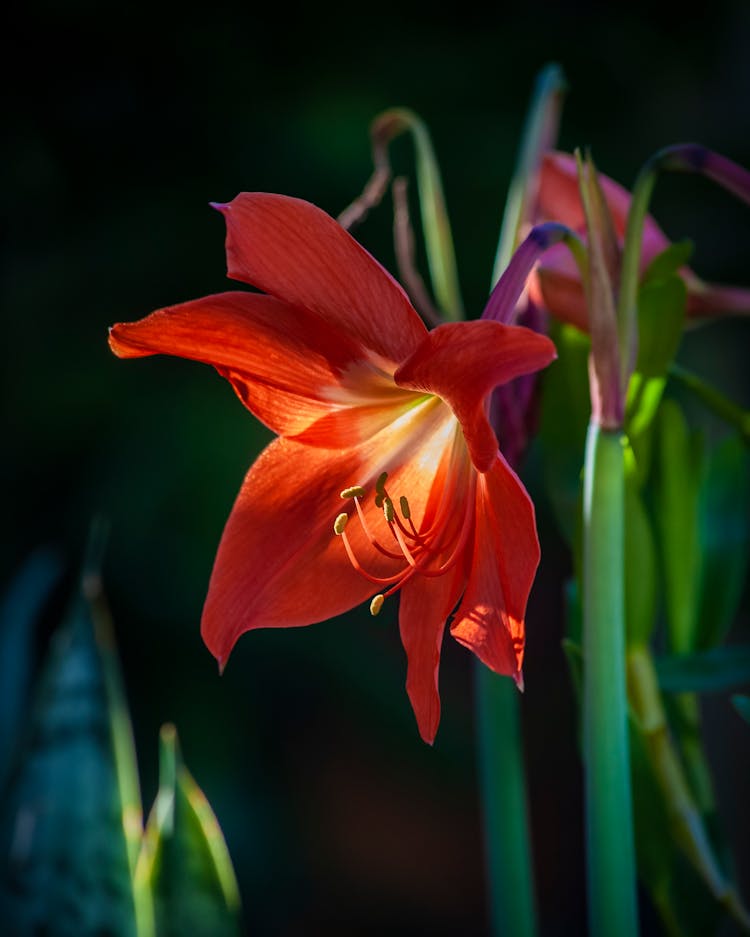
x=609, y=821
x=503, y=789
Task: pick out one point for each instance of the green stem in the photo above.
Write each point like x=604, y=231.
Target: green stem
x=539, y=135
x=503, y=791
x=609, y=819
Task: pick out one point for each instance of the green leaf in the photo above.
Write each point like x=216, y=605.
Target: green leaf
x=566, y=407
x=61, y=822
x=666, y=264
x=184, y=857
x=20, y=609
x=640, y=569
x=121, y=731
x=679, y=458
x=742, y=705
x=539, y=135
x=716, y=670
x=661, y=317
x=724, y=514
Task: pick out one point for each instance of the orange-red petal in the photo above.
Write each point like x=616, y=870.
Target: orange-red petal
x=490, y=619
x=279, y=564
x=424, y=608
x=294, y=251
x=463, y=361
x=426, y=602
x=293, y=370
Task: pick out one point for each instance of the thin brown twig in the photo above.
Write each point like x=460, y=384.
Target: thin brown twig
x=403, y=236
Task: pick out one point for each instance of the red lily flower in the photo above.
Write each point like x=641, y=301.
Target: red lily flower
x=557, y=284
x=371, y=407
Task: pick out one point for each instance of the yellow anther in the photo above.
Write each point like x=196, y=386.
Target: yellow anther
x=388, y=511
x=339, y=524
x=356, y=491
x=377, y=603
x=405, y=509
x=380, y=483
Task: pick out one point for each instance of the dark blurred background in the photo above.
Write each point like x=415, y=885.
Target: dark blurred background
x=120, y=124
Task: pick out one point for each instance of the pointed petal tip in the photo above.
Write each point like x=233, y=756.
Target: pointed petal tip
x=222, y=662
x=518, y=680
x=222, y=207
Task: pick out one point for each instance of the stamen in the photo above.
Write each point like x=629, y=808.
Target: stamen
x=388, y=510
x=417, y=549
x=380, y=483
x=356, y=491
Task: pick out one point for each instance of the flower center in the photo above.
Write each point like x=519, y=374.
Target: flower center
x=430, y=551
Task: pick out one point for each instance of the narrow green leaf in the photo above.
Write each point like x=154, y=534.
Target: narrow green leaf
x=714, y=671
x=677, y=490
x=121, y=731
x=735, y=416
x=566, y=407
x=742, y=705
x=724, y=515
x=640, y=569
x=61, y=823
x=184, y=857
x=539, y=135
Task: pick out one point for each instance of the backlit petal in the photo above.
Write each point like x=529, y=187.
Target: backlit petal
x=463, y=361
x=294, y=371
x=296, y=252
x=279, y=563
x=490, y=619
x=426, y=602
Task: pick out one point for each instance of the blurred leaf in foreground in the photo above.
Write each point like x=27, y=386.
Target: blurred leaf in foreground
x=184, y=858
x=65, y=860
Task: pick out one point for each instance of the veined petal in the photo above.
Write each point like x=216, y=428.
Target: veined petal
x=426, y=602
x=278, y=548
x=289, y=248
x=293, y=370
x=490, y=619
x=279, y=563
x=425, y=606
x=463, y=361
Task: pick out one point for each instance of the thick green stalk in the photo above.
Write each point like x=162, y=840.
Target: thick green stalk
x=503, y=786
x=609, y=812
x=503, y=790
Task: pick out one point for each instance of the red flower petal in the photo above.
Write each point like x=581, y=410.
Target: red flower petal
x=426, y=602
x=279, y=564
x=290, y=368
x=463, y=361
x=298, y=253
x=425, y=606
x=490, y=619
